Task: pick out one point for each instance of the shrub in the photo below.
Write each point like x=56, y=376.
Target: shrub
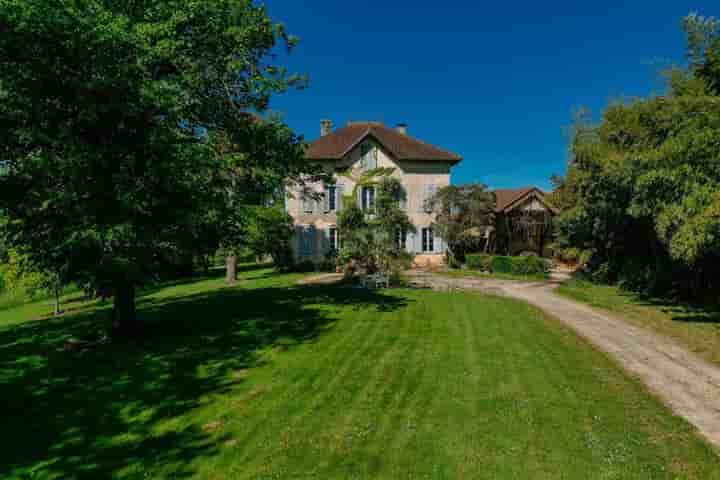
x=479, y=261
x=304, y=266
x=328, y=265
x=452, y=263
x=528, y=265
x=501, y=264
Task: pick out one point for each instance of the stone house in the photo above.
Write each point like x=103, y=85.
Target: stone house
x=348, y=152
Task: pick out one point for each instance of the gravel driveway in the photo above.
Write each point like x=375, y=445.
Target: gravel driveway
x=683, y=381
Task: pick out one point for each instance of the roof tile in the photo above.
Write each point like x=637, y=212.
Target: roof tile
x=336, y=144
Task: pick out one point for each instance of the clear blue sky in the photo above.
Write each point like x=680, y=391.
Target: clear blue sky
x=495, y=82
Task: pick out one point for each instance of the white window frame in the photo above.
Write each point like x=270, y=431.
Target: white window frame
x=308, y=204
x=334, y=238
x=367, y=198
x=428, y=240
x=331, y=191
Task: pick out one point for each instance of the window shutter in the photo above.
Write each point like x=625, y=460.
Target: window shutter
x=421, y=199
x=373, y=158
x=312, y=233
x=403, y=199
x=303, y=238
x=410, y=242
x=326, y=240
x=326, y=200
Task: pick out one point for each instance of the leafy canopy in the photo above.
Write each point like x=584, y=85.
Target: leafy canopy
x=111, y=114
x=643, y=187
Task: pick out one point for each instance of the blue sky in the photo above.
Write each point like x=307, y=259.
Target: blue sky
x=495, y=82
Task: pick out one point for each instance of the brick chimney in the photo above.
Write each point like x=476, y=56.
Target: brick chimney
x=401, y=128
x=325, y=127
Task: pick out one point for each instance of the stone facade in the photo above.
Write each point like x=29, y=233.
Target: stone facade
x=315, y=220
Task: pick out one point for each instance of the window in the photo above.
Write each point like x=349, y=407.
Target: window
x=401, y=238
x=368, y=156
x=334, y=239
x=306, y=241
x=428, y=241
x=307, y=204
x=368, y=198
x=331, y=193
x=429, y=193
x=402, y=199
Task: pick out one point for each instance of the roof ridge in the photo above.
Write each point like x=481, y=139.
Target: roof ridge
x=421, y=141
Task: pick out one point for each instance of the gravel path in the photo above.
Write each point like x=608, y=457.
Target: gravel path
x=686, y=383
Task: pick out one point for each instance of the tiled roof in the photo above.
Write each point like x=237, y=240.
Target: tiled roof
x=505, y=197
x=337, y=144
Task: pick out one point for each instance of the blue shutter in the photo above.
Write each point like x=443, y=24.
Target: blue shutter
x=326, y=240
x=312, y=233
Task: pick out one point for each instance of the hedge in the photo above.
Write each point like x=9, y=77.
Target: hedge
x=478, y=261
x=529, y=265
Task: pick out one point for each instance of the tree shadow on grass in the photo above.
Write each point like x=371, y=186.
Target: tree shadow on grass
x=113, y=409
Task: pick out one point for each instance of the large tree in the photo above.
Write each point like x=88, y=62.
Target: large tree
x=264, y=159
x=643, y=186
x=108, y=113
x=463, y=216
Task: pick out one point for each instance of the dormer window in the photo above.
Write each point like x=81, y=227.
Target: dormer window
x=368, y=156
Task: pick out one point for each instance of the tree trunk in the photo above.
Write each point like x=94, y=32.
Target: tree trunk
x=124, y=317
x=57, y=301
x=231, y=269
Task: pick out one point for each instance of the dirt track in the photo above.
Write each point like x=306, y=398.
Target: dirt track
x=683, y=381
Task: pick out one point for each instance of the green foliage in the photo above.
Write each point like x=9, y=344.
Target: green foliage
x=462, y=214
x=501, y=264
x=528, y=265
x=369, y=238
x=269, y=233
x=479, y=261
x=642, y=192
x=21, y=277
x=139, y=123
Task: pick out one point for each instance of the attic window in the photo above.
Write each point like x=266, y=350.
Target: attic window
x=368, y=156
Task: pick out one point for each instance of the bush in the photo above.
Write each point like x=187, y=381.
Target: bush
x=501, y=264
x=479, y=261
x=304, y=266
x=454, y=263
x=528, y=265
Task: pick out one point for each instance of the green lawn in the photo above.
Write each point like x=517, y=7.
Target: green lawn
x=695, y=327
x=271, y=380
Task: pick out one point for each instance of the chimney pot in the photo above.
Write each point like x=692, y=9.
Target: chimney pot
x=401, y=128
x=325, y=127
